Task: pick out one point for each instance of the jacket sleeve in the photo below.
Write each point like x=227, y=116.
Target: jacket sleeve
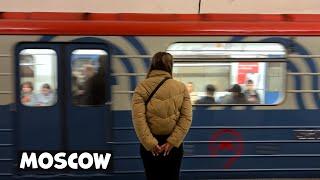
x=139, y=121
x=183, y=124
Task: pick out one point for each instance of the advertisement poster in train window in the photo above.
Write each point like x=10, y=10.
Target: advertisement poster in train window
x=246, y=71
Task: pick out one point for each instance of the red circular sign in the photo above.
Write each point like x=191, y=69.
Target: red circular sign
x=227, y=140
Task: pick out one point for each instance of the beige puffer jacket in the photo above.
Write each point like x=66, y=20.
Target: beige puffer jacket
x=169, y=112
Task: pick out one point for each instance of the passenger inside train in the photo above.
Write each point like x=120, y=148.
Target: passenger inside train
x=193, y=95
x=241, y=73
x=209, y=98
x=94, y=86
x=27, y=96
x=236, y=96
x=47, y=96
x=88, y=77
x=38, y=71
x=251, y=93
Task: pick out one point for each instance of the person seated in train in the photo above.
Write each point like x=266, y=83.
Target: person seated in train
x=236, y=97
x=46, y=96
x=251, y=93
x=95, y=86
x=193, y=95
x=209, y=98
x=27, y=96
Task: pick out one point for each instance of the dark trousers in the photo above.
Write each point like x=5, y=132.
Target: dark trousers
x=162, y=167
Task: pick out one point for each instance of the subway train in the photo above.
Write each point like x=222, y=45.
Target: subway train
x=48, y=61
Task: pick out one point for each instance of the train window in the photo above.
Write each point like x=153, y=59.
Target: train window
x=88, y=77
x=38, y=77
x=231, y=73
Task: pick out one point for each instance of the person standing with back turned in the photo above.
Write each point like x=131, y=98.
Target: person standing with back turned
x=161, y=115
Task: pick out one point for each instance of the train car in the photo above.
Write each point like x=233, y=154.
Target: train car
x=47, y=61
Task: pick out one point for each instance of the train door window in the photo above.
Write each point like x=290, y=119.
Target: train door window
x=38, y=77
x=231, y=73
x=88, y=83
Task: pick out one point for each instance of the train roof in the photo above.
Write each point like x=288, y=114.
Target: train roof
x=51, y=23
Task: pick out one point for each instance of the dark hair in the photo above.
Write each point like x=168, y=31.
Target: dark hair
x=210, y=88
x=161, y=61
x=249, y=81
x=235, y=88
x=28, y=83
x=46, y=86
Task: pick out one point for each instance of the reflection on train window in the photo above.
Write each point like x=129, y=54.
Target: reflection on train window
x=88, y=77
x=213, y=75
x=38, y=77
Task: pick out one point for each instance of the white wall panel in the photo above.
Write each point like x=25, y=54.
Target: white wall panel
x=261, y=6
x=106, y=6
x=163, y=6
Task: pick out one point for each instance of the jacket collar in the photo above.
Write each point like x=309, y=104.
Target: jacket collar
x=159, y=73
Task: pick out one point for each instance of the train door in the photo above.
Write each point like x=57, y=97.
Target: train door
x=88, y=97
x=62, y=97
x=39, y=121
